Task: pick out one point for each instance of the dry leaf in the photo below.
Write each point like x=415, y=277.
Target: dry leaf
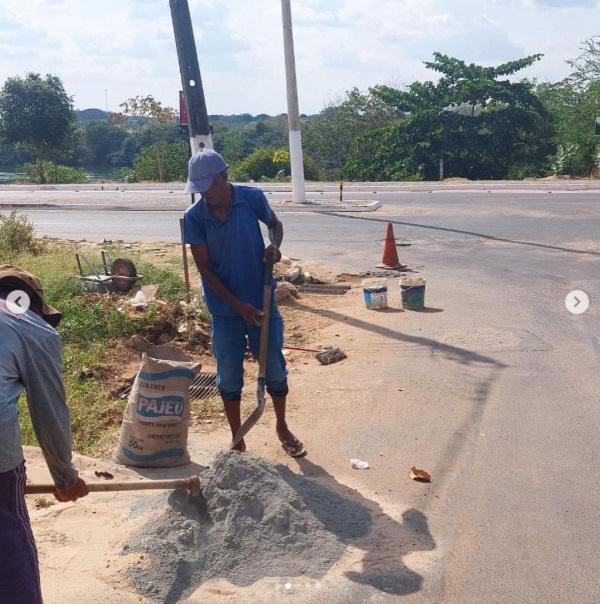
x=419, y=475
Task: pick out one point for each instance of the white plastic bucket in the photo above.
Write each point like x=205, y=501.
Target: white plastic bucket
x=375, y=293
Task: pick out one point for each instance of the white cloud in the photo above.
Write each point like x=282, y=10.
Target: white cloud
x=126, y=46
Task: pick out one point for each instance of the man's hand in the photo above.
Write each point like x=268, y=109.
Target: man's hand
x=250, y=314
x=77, y=490
x=272, y=254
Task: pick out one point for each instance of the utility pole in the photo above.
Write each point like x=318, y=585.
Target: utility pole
x=296, y=159
x=199, y=128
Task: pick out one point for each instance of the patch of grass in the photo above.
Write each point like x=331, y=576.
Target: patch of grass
x=171, y=285
x=92, y=329
x=95, y=418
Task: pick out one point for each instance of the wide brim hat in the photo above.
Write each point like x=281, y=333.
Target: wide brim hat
x=18, y=276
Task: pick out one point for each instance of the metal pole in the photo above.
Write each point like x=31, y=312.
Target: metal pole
x=296, y=160
x=441, y=169
x=191, y=81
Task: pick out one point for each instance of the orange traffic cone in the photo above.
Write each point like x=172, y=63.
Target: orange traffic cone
x=390, y=253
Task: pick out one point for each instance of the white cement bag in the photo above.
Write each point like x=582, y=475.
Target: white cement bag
x=155, y=424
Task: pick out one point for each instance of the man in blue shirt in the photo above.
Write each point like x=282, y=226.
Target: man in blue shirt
x=224, y=234
x=30, y=361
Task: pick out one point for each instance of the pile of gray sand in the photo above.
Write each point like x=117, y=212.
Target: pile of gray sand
x=254, y=520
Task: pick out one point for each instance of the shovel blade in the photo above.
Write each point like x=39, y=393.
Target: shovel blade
x=251, y=420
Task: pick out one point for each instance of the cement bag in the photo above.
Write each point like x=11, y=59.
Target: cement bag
x=155, y=424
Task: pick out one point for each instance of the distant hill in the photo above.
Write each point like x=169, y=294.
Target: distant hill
x=91, y=115
x=242, y=119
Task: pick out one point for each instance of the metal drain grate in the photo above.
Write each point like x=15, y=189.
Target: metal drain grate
x=325, y=289
x=204, y=386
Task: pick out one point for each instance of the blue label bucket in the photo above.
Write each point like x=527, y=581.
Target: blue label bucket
x=375, y=294
x=413, y=293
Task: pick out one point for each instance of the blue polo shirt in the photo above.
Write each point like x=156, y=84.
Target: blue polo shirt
x=235, y=246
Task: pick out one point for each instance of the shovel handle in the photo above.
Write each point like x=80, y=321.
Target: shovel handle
x=262, y=358
x=192, y=484
x=264, y=330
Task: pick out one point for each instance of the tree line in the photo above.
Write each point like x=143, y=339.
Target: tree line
x=483, y=122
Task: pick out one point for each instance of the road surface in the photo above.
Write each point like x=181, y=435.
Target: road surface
x=499, y=384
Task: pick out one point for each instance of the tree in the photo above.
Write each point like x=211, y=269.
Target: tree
x=481, y=124
x=573, y=112
x=329, y=137
x=573, y=104
x=38, y=114
x=161, y=120
x=237, y=142
x=586, y=67
x=164, y=162
x=104, y=141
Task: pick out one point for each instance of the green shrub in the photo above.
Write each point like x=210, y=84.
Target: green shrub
x=54, y=173
x=17, y=235
x=127, y=175
x=267, y=164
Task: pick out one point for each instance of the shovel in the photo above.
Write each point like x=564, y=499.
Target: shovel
x=263, y=355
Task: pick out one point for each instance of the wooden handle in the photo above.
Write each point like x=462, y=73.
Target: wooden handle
x=186, y=270
x=263, y=352
x=192, y=483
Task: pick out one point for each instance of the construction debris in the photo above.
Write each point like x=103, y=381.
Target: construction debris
x=295, y=274
x=285, y=291
x=330, y=355
x=166, y=352
x=139, y=301
x=419, y=475
x=359, y=464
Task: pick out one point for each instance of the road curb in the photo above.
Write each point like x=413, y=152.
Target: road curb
x=285, y=207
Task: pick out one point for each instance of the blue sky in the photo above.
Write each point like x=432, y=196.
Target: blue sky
x=127, y=47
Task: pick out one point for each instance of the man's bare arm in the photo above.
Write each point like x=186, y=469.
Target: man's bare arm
x=275, y=237
x=249, y=313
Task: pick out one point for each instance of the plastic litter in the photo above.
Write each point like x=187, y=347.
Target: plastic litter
x=359, y=464
x=139, y=302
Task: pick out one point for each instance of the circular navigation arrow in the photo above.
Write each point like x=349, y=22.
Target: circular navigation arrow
x=577, y=302
x=18, y=302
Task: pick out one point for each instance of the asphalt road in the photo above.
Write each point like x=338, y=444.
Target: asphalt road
x=507, y=410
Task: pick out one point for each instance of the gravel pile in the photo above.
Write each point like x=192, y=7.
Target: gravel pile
x=253, y=520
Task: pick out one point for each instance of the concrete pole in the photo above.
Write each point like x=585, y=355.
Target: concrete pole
x=200, y=135
x=296, y=159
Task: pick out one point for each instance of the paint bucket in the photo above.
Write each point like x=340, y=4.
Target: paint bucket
x=413, y=293
x=375, y=293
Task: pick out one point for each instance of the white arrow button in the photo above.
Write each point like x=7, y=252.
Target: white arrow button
x=577, y=302
x=18, y=302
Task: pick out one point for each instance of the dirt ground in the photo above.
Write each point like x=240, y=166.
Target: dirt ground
x=80, y=544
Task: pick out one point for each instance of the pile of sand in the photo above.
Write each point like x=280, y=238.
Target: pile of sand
x=253, y=520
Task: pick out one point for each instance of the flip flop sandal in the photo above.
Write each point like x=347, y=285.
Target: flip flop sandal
x=294, y=448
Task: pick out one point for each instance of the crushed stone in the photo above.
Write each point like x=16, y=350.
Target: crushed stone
x=254, y=519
